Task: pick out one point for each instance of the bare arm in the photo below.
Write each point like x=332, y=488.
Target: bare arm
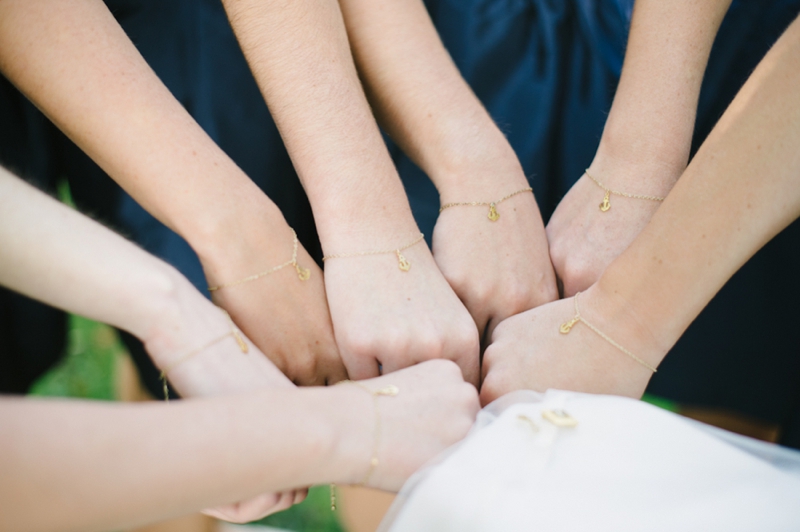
x=383, y=317
x=430, y=111
x=101, y=467
x=76, y=64
x=739, y=191
x=646, y=140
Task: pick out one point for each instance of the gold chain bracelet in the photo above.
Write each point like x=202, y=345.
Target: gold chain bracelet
x=387, y=391
x=302, y=273
x=234, y=332
x=567, y=326
x=493, y=214
x=402, y=262
x=606, y=204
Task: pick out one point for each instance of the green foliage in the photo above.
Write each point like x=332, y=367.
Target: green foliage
x=88, y=369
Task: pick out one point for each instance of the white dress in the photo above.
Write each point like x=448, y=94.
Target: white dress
x=625, y=466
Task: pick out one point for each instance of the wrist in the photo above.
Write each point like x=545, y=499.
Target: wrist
x=476, y=163
x=614, y=314
x=648, y=167
x=348, y=415
x=243, y=241
x=379, y=218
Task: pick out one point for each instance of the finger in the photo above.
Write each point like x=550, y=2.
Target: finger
x=245, y=511
x=331, y=369
x=396, y=363
x=470, y=367
x=360, y=368
x=300, y=495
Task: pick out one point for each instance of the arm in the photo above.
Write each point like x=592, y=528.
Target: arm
x=739, y=191
x=429, y=110
x=101, y=467
x=73, y=60
x=53, y=254
x=299, y=54
x=646, y=141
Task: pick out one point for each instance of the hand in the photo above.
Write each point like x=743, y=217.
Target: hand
x=257, y=507
x=285, y=316
x=498, y=268
x=220, y=368
x=434, y=409
x=584, y=240
x=386, y=319
x=529, y=352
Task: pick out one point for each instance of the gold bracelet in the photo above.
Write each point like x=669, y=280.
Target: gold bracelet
x=402, y=262
x=302, y=273
x=389, y=391
x=234, y=332
x=606, y=204
x=567, y=326
x=493, y=214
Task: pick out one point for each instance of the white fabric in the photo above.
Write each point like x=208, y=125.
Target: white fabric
x=626, y=466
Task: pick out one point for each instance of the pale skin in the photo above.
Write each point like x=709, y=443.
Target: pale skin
x=738, y=192
x=102, y=467
x=71, y=58
x=646, y=141
x=383, y=318
x=499, y=268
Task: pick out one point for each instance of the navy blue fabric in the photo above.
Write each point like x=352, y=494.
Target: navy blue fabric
x=546, y=71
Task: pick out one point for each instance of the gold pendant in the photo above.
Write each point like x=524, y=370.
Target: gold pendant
x=402, y=263
x=559, y=418
x=493, y=214
x=302, y=273
x=606, y=202
x=565, y=327
x=390, y=390
x=239, y=340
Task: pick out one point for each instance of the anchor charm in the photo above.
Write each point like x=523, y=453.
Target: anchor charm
x=402, y=262
x=565, y=327
x=606, y=203
x=493, y=214
x=302, y=273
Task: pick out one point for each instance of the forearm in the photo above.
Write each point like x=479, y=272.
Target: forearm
x=650, y=125
x=423, y=102
x=53, y=254
x=73, y=60
x=117, y=466
x=739, y=191
x=300, y=56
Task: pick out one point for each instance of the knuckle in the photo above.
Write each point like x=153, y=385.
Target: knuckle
x=360, y=343
x=491, y=389
x=429, y=346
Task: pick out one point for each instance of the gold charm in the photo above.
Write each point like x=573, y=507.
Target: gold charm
x=565, y=327
x=390, y=390
x=302, y=273
x=493, y=214
x=606, y=202
x=402, y=263
x=559, y=418
x=239, y=340
x=529, y=421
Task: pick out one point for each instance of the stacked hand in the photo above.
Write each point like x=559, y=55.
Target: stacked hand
x=387, y=319
x=497, y=268
x=285, y=316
